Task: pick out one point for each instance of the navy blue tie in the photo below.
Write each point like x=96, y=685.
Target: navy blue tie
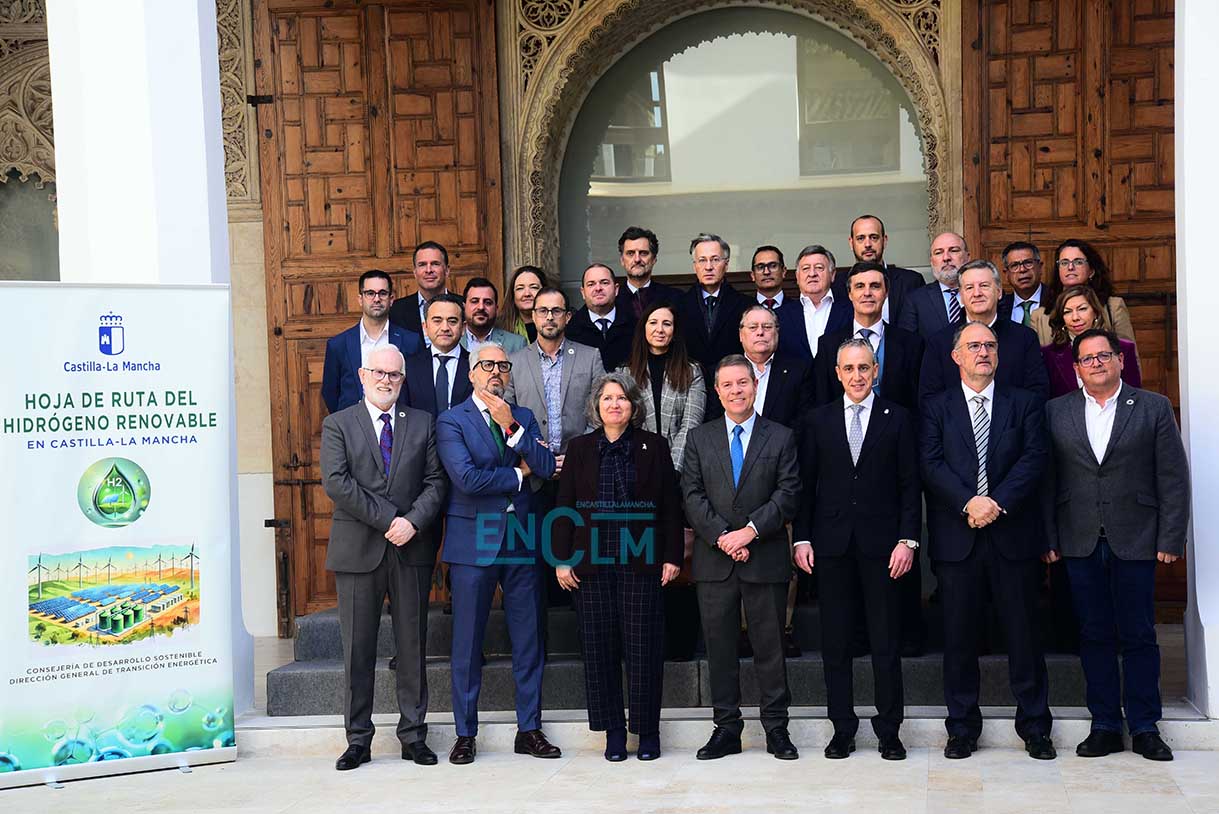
x=442, y=383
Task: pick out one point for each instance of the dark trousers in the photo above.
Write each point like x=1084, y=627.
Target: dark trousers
x=719, y=604
x=473, y=590
x=361, y=598
x=621, y=614
x=841, y=584
x=1013, y=586
x=1114, y=603
x=910, y=604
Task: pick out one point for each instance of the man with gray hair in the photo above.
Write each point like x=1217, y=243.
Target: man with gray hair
x=710, y=311
x=1022, y=364
x=820, y=310
x=935, y=306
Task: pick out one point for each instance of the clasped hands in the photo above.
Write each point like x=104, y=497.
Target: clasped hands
x=400, y=532
x=981, y=511
x=735, y=543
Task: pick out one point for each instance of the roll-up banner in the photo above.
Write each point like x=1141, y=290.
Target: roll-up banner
x=115, y=432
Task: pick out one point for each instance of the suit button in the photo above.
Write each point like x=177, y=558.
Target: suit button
x=853, y=502
x=854, y=477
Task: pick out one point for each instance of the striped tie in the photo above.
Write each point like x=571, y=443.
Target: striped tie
x=981, y=437
x=954, y=307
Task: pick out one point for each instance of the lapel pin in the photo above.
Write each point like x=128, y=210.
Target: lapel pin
x=1130, y=401
x=571, y=351
x=886, y=411
x=401, y=415
x=643, y=446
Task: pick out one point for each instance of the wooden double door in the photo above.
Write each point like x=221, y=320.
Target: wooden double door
x=378, y=129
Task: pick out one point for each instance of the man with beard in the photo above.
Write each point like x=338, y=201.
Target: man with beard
x=637, y=251
x=934, y=307
x=488, y=447
x=431, y=269
x=868, y=242
x=482, y=307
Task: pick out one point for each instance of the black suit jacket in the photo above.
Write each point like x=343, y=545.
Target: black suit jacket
x=655, y=292
x=876, y=501
x=405, y=312
x=656, y=495
x=420, y=389
x=900, y=282
x=923, y=311
x=900, y=373
x=724, y=338
x=1017, y=456
x=789, y=391
x=1020, y=361
x=615, y=347
x=794, y=339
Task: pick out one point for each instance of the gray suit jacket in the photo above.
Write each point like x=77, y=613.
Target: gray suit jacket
x=679, y=412
x=581, y=366
x=511, y=342
x=768, y=495
x=1139, y=491
x=365, y=501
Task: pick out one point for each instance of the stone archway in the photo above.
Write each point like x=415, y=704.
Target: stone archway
x=562, y=47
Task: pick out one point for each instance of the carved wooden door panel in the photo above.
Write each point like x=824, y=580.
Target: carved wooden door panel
x=381, y=131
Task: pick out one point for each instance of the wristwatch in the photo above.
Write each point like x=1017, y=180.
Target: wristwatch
x=512, y=428
x=910, y=544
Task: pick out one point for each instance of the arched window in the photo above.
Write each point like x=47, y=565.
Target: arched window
x=763, y=126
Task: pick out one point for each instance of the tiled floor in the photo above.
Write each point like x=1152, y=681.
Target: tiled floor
x=994, y=780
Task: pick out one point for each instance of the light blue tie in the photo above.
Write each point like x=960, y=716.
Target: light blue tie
x=738, y=454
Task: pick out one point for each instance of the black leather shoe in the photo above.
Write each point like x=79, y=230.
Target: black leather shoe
x=1151, y=746
x=1100, y=743
x=791, y=650
x=463, y=751
x=419, y=752
x=779, y=743
x=534, y=743
x=721, y=744
x=840, y=746
x=1040, y=747
x=353, y=758
x=891, y=748
x=959, y=747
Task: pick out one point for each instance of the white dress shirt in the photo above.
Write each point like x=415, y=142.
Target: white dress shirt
x=512, y=440
x=1099, y=421
x=455, y=355
x=763, y=376
x=632, y=288
x=1018, y=311
x=944, y=295
x=878, y=333
x=610, y=317
x=374, y=412
x=778, y=298
x=816, y=317
x=368, y=343
x=865, y=415
x=988, y=405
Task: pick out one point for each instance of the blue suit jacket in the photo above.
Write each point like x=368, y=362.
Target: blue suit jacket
x=1017, y=456
x=483, y=482
x=793, y=339
x=340, y=372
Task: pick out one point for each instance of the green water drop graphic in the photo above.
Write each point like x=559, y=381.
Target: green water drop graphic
x=113, y=495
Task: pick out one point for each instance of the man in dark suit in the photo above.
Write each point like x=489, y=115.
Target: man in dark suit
x=1021, y=365
x=430, y=263
x=859, y=524
x=380, y=467
x=1022, y=264
x=711, y=310
x=488, y=448
x=784, y=383
x=347, y=352
x=1118, y=504
x=818, y=309
x=868, y=243
x=741, y=485
x=638, y=249
x=899, y=353
x=601, y=324
x=767, y=270
x=983, y=454
x=440, y=376
x=935, y=306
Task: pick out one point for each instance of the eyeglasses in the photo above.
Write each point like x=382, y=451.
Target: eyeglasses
x=489, y=366
x=713, y=260
x=1095, y=359
x=1072, y=262
x=977, y=347
x=547, y=313
x=376, y=295
x=394, y=376
x=773, y=265
x=1023, y=265
x=764, y=327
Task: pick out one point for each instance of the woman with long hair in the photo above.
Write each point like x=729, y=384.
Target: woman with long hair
x=517, y=314
x=1078, y=263
x=1076, y=310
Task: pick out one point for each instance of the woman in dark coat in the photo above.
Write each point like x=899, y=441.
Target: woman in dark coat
x=616, y=567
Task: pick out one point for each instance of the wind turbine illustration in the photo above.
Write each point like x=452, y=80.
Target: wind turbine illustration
x=79, y=568
x=192, y=556
x=39, y=569
x=159, y=561
x=56, y=571
x=108, y=568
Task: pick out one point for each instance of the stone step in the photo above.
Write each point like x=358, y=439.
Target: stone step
x=316, y=687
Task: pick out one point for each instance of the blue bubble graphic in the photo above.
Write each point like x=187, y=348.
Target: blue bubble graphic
x=9, y=763
x=72, y=750
x=224, y=739
x=161, y=746
x=141, y=724
x=212, y=721
x=55, y=730
x=111, y=753
x=180, y=701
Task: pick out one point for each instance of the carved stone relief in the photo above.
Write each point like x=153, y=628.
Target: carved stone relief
x=26, y=135
x=234, y=37
x=562, y=47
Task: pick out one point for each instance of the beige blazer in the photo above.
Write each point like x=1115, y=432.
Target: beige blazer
x=1118, y=317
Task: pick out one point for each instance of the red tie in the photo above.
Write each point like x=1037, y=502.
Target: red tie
x=770, y=303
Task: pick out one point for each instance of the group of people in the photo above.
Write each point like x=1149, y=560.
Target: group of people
x=655, y=437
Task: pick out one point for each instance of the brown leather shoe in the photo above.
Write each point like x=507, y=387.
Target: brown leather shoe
x=463, y=750
x=534, y=743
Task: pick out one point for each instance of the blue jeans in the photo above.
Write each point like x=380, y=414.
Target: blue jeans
x=1114, y=602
